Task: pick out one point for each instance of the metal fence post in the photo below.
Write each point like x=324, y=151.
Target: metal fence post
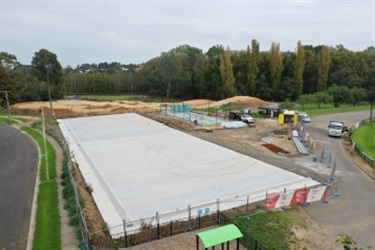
x=158, y=224
x=247, y=206
x=218, y=211
x=190, y=228
x=125, y=234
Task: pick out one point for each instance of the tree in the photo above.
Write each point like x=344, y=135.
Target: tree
x=264, y=90
x=324, y=61
x=165, y=75
x=340, y=94
x=305, y=99
x=276, y=68
x=47, y=68
x=6, y=84
x=226, y=73
x=299, y=68
x=253, y=69
x=322, y=97
x=358, y=94
x=212, y=72
x=8, y=61
x=198, y=77
x=310, y=73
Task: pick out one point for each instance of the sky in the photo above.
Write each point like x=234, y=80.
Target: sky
x=83, y=31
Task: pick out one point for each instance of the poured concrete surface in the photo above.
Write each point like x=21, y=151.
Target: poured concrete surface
x=138, y=167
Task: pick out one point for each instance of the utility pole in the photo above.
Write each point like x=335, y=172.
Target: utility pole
x=49, y=94
x=45, y=142
x=6, y=97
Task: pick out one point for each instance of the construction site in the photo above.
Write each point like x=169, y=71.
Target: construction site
x=151, y=163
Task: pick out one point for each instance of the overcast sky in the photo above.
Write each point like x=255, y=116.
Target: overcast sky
x=135, y=31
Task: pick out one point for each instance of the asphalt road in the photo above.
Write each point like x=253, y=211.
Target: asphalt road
x=353, y=212
x=18, y=169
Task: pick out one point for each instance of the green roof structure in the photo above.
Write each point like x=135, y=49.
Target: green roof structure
x=219, y=235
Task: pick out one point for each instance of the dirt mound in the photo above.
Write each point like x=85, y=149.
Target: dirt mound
x=241, y=100
x=199, y=102
x=246, y=101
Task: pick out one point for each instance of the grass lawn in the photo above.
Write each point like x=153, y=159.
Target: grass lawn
x=51, y=154
x=312, y=110
x=272, y=229
x=48, y=224
x=5, y=116
x=364, y=137
x=47, y=233
x=7, y=121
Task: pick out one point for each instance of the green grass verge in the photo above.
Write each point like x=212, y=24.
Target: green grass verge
x=364, y=137
x=101, y=98
x=51, y=155
x=47, y=233
x=312, y=110
x=5, y=116
x=272, y=229
x=7, y=121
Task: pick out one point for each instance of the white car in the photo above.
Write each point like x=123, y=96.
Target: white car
x=305, y=118
x=247, y=118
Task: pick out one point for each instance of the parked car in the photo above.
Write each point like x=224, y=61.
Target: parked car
x=247, y=118
x=305, y=118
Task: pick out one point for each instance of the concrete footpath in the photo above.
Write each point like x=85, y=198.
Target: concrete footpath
x=68, y=233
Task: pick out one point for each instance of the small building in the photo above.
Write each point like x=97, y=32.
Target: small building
x=270, y=111
x=288, y=116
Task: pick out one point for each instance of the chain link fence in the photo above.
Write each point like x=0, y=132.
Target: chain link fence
x=81, y=216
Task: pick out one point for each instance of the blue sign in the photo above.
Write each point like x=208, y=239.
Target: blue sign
x=207, y=210
x=200, y=211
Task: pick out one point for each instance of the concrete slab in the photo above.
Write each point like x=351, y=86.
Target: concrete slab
x=138, y=167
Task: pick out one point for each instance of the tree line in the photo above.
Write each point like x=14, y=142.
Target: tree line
x=185, y=72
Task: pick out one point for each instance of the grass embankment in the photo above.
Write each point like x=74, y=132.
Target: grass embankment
x=364, y=137
x=47, y=233
x=273, y=230
x=13, y=119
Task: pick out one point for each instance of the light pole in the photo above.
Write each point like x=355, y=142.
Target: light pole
x=45, y=142
x=6, y=97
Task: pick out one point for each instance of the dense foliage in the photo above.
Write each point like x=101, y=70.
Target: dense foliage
x=321, y=73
